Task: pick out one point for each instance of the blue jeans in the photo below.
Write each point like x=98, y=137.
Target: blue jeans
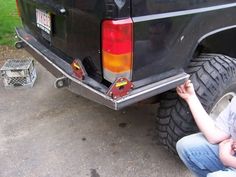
x=201, y=157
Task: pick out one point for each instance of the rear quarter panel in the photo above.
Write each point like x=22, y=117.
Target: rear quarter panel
x=166, y=32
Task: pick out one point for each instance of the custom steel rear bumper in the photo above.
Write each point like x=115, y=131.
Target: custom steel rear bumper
x=88, y=87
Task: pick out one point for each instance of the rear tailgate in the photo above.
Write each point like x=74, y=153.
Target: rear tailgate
x=71, y=29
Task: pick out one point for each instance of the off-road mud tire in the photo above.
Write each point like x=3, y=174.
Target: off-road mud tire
x=213, y=76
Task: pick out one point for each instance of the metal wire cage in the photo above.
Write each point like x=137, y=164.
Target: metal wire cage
x=18, y=73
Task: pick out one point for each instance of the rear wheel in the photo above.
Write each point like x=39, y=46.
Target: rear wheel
x=214, y=80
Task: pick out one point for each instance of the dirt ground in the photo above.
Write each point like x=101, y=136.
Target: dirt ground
x=7, y=52
x=46, y=132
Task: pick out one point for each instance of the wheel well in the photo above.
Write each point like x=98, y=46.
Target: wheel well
x=221, y=42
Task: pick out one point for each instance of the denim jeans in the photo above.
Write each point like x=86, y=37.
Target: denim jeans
x=201, y=157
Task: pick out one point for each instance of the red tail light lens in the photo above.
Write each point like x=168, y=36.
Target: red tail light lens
x=117, y=36
x=117, y=48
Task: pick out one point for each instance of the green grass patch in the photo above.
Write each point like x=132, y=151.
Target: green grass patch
x=9, y=19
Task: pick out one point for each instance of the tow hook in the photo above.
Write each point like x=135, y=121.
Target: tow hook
x=19, y=44
x=61, y=82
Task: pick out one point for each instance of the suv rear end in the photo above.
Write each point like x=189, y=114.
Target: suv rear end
x=94, y=48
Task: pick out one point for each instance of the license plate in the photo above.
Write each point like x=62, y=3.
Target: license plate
x=43, y=20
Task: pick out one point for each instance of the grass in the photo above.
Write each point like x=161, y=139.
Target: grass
x=9, y=19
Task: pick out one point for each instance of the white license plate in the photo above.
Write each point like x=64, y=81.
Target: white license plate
x=43, y=20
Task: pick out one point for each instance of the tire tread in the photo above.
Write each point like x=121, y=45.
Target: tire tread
x=210, y=74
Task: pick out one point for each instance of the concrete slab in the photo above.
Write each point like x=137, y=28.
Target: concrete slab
x=46, y=132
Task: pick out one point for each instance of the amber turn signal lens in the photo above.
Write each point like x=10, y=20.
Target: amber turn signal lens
x=117, y=63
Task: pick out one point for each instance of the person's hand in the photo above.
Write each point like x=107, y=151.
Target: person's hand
x=186, y=90
x=226, y=151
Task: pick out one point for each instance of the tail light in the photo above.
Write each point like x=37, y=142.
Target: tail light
x=17, y=6
x=117, y=49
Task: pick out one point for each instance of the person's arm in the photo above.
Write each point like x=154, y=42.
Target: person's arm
x=204, y=122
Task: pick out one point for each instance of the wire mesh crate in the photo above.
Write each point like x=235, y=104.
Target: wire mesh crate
x=18, y=73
